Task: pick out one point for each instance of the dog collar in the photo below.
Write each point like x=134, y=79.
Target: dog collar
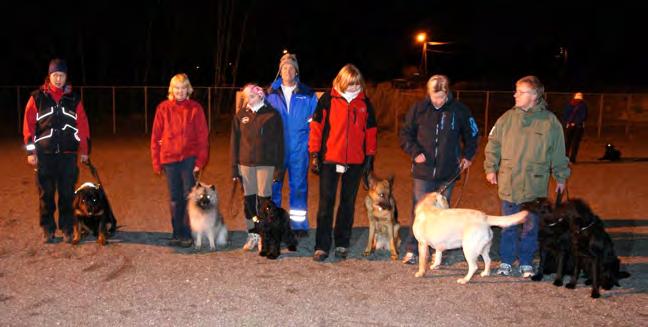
x=556, y=223
x=588, y=226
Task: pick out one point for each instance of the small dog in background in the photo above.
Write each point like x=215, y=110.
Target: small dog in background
x=204, y=217
x=92, y=214
x=611, y=153
x=275, y=228
x=382, y=216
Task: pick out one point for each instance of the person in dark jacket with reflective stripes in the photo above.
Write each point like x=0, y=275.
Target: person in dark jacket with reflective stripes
x=55, y=131
x=432, y=136
x=257, y=152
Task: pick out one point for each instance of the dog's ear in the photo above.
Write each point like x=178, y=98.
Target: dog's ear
x=390, y=179
x=372, y=180
x=213, y=187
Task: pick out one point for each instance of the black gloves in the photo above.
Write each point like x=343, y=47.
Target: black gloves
x=278, y=175
x=367, y=169
x=316, y=163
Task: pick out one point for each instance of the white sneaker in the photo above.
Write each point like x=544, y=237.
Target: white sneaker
x=410, y=258
x=252, y=242
x=504, y=269
x=526, y=271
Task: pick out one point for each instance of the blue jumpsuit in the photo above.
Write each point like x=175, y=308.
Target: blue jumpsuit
x=296, y=129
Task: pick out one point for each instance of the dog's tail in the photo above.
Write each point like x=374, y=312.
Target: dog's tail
x=506, y=221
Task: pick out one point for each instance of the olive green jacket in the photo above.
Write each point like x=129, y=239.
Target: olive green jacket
x=524, y=148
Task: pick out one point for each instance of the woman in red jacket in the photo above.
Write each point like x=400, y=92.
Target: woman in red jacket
x=342, y=143
x=179, y=146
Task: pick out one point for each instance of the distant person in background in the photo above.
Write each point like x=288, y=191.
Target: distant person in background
x=432, y=136
x=180, y=148
x=524, y=148
x=574, y=119
x=343, y=142
x=296, y=103
x=257, y=152
x=55, y=131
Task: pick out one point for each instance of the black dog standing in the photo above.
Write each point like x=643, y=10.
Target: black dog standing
x=275, y=228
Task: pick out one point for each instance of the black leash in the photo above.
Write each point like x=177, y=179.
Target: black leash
x=447, y=184
x=232, y=200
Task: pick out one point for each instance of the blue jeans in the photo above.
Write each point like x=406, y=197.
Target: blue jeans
x=422, y=187
x=515, y=244
x=180, y=180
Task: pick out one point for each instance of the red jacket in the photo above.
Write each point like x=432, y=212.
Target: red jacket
x=52, y=106
x=179, y=132
x=343, y=132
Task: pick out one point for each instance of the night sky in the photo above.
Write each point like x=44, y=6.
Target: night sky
x=493, y=42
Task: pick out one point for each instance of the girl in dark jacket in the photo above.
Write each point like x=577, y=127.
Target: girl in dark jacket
x=257, y=154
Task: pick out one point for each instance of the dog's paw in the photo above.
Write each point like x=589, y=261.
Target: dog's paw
x=433, y=267
x=537, y=277
x=558, y=282
x=571, y=285
x=485, y=273
x=462, y=281
x=366, y=253
x=419, y=274
x=394, y=257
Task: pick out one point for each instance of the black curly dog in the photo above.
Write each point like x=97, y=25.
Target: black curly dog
x=92, y=213
x=274, y=228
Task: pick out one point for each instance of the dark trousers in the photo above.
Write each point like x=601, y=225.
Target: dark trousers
x=422, y=187
x=346, y=207
x=180, y=180
x=573, y=136
x=56, y=173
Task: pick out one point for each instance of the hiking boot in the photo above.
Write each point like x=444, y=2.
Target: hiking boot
x=48, y=237
x=186, y=243
x=504, y=269
x=320, y=255
x=526, y=271
x=252, y=242
x=341, y=252
x=173, y=242
x=410, y=258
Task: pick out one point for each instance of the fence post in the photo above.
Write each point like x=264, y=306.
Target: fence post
x=486, y=112
x=113, y=112
x=628, y=110
x=146, y=109
x=209, y=108
x=18, y=106
x=600, y=117
x=82, y=94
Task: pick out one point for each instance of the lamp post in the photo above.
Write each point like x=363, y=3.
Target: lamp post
x=422, y=38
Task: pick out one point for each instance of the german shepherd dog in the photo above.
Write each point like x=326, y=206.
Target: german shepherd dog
x=274, y=228
x=92, y=214
x=204, y=217
x=443, y=229
x=382, y=216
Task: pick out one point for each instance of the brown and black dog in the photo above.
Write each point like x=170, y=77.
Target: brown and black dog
x=92, y=213
x=382, y=216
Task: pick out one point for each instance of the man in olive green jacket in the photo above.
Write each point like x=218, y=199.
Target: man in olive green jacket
x=524, y=147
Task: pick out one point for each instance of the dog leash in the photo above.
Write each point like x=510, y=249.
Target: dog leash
x=232, y=194
x=445, y=186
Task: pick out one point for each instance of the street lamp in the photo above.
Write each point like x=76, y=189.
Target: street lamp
x=422, y=38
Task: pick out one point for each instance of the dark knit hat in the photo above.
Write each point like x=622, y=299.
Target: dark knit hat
x=57, y=65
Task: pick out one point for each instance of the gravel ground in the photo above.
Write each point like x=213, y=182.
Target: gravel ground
x=137, y=280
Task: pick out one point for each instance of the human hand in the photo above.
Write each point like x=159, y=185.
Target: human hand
x=560, y=187
x=420, y=158
x=316, y=165
x=32, y=160
x=278, y=175
x=491, y=178
x=85, y=159
x=464, y=164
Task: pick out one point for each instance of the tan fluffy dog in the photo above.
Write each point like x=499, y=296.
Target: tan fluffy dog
x=444, y=229
x=381, y=208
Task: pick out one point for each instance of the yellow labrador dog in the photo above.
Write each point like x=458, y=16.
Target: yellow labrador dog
x=443, y=229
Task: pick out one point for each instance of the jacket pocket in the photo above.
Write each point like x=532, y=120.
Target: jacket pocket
x=537, y=181
x=505, y=178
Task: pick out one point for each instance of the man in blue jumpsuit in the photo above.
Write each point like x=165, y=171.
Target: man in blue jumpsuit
x=296, y=103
